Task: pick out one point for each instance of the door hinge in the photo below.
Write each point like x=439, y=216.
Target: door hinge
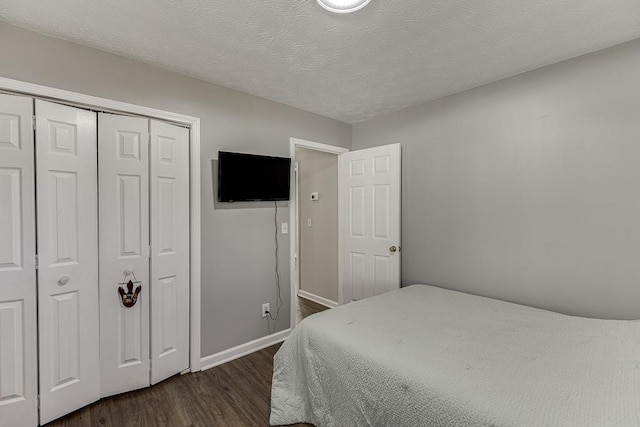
x=38, y=399
x=33, y=122
x=36, y=262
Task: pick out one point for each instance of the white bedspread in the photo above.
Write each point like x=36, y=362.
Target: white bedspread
x=425, y=356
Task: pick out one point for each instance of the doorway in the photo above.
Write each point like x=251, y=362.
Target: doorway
x=368, y=223
x=314, y=225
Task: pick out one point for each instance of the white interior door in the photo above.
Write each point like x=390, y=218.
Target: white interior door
x=169, y=163
x=370, y=221
x=18, y=358
x=124, y=251
x=67, y=218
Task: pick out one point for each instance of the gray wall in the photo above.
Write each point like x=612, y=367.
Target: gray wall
x=318, y=172
x=237, y=240
x=528, y=189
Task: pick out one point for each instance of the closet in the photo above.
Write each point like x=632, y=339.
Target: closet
x=89, y=203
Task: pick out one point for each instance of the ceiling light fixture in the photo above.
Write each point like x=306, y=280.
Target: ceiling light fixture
x=343, y=6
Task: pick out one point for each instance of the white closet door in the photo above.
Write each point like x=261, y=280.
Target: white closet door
x=124, y=246
x=18, y=358
x=169, y=162
x=66, y=152
x=370, y=221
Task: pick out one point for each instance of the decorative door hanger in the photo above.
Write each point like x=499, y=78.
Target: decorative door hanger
x=125, y=290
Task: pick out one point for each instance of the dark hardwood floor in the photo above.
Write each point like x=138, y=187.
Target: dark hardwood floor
x=305, y=308
x=237, y=393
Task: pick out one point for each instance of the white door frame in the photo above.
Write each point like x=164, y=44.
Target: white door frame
x=193, y=123
x=293, y=215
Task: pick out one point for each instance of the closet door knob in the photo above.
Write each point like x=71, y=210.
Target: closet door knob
x=63, y=280
x=393, y=249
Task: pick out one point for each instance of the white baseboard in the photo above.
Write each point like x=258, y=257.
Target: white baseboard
x=315, y=298
x=225, y=356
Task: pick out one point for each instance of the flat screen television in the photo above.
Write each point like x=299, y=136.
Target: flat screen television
x=250, y=177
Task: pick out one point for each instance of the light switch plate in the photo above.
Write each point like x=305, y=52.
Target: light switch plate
x=285, y=228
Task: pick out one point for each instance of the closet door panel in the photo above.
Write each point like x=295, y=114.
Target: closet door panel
x=169, y=162
x=124, y=251
x=18, y=358
x=66, y=152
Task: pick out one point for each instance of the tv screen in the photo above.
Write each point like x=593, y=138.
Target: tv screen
x=249, y=177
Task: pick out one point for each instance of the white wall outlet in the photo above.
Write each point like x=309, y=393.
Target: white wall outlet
x=315, y=196
x=265, y=309
x=285, y=228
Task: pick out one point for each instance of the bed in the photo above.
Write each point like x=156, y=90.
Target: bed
x=425, y=356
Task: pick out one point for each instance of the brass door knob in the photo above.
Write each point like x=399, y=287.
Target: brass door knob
x=393, y=249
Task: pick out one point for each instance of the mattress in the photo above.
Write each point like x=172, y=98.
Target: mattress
x=425, y=356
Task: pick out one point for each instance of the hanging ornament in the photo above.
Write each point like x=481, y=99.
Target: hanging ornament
x=127, y=294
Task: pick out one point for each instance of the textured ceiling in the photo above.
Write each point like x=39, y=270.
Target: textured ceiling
x=352, y=67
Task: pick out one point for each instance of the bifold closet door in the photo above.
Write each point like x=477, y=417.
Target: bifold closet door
x=18, y=358
x=124, y=251
x=67, y=218
x=169, y=163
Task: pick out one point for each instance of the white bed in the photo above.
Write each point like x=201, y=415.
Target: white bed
x=425, y=356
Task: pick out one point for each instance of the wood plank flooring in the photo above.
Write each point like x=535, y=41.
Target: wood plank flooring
x=237, y=393
x=305, y=308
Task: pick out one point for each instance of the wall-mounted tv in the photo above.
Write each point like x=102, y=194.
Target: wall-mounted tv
x=249, y=177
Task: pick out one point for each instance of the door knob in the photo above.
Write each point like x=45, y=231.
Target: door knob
x=393, y=249
x=63, y=280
